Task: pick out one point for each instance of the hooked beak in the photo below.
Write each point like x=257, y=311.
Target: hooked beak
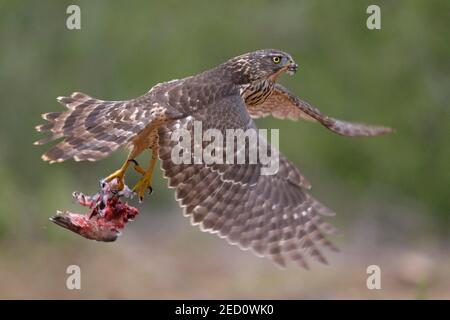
x=292, y=67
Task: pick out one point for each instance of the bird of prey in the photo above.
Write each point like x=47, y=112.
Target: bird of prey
x=273, y=215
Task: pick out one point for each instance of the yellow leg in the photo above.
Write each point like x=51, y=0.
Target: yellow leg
x=120, y=174
x=146, y=181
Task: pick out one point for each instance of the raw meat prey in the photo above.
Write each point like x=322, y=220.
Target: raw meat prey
x=107, y=217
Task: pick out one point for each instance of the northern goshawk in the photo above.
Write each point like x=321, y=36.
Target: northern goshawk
x=271, y=214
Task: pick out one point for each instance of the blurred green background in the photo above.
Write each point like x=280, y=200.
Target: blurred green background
x=391, y=193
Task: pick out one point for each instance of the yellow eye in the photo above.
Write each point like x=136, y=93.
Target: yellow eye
x=276, y=59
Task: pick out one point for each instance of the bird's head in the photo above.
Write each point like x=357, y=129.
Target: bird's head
x=261, y=65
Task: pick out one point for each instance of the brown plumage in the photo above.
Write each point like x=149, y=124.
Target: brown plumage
x=271, y=214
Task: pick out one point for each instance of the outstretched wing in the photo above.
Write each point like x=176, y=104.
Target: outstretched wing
x=271, y=214
x=284, y=105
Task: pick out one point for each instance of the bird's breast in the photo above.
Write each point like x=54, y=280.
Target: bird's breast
x=257, y=93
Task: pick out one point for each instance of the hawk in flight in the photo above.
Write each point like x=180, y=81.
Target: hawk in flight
x=273, y=215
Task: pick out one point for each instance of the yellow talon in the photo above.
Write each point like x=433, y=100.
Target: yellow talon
x=119, y=175
x=138, y=168
x=146, y=181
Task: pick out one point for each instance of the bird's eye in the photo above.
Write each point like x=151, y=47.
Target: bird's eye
x=276, y=59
